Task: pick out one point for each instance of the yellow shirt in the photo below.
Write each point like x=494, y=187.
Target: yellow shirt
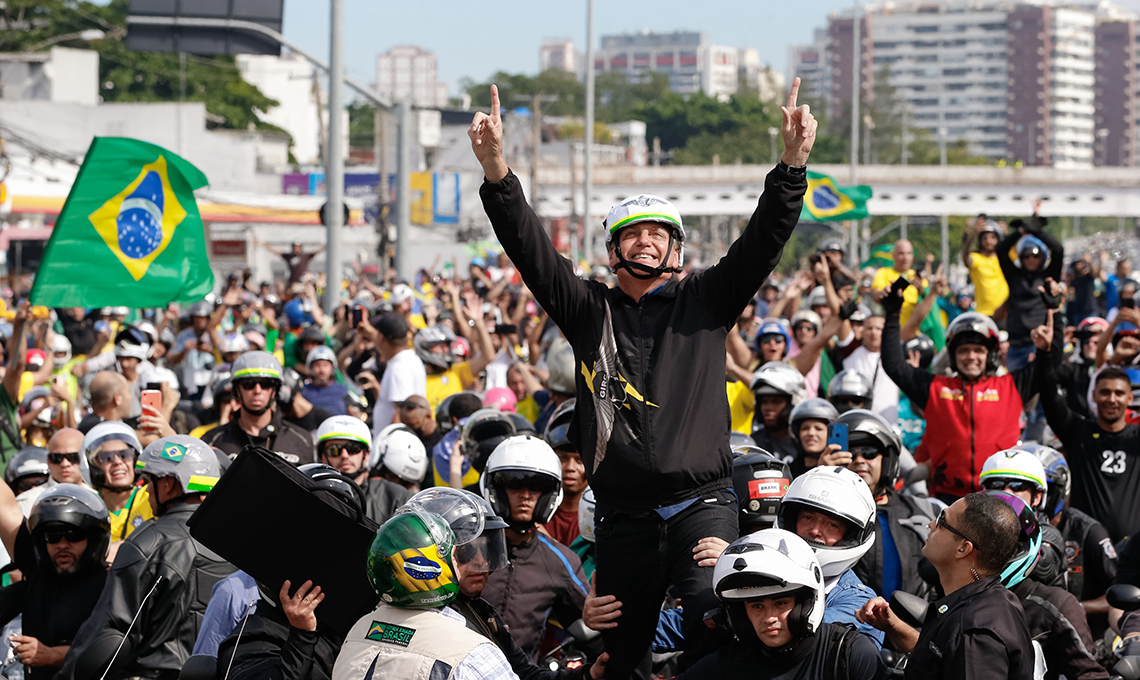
x=202, y=429
x=741, y=404
x=528, y=408
x=417, y=321
x=886, y=276
x=134, y=513
x=990, y=288
x=452, y=381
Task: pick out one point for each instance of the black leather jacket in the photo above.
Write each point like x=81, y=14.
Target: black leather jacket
x=483, y=619
x=908, y=516
x=282, y=437
x=160, y=552
x=271, y=649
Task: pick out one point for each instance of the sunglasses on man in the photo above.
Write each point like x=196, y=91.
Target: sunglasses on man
x=334, y=449
x=54, y=536
x=58, y=458
x=1014, y=485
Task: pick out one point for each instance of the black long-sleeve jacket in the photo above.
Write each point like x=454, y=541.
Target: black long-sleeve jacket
x=1058, y=623
x=271, y=649
x=484, y=619
x=1026, y=308
x=161, y=638
x=652, y=420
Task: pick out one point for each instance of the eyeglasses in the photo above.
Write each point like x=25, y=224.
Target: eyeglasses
x=409, y=406
x=868, y=452
x=1014, y=485
x=332, y=450
x=58, y=458
x=941, y=522
x=801, y=327
x=250, y=383
x=772, y=339
x=54, y=536
x=108, y=457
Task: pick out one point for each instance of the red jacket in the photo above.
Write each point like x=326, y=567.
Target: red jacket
x=965, y=424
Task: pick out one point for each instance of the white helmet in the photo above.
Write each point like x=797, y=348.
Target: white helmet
x=586, y=508
x=1016, y=464
x=808, y=316
x=766, y=564
x=233, y=342
x=816, y=298
x=523, y=459
x=159, y=375
x=841, y=493
x=344, y=427
x=60, y=344
x=778, y=378
x=404, y=455
x=320, y=353
x=646, y=208
x=378, y=443
x=128, y=349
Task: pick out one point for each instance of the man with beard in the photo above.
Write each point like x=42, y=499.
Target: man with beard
x=322, y=390
x=60, y=550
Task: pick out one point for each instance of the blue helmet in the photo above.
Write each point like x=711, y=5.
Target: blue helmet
x=773, y=328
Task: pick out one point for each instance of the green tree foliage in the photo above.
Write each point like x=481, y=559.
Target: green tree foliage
x=517, y=90
x=125, y=76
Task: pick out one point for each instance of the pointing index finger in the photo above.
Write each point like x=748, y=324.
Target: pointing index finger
x=794, y=94
x=494, y=101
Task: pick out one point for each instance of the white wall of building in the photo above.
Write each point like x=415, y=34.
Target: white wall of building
x=289, y=80
x=409, y=73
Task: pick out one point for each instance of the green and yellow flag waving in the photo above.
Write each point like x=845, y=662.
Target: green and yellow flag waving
x=826, y=201
x=129, y=233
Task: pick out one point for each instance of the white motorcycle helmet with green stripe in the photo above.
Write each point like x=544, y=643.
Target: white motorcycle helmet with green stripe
x=184, y=457
x=646, y=208
x=344, y=427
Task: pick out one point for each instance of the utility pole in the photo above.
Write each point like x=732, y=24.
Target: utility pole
x=905, y=153
x=404, y=185
x=856, y=72
x=334, y=173
x=380, y=151
x=572, y=227
x=588, y=165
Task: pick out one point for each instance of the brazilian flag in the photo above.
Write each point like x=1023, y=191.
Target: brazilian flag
x=826, y=201
x=129, y=233
x=881, y=256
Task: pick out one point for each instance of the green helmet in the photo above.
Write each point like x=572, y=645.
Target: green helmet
x=409, y=563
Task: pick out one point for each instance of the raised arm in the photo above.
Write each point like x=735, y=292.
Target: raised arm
x=914, y=382
x=728, y=286
x=268, y=247
x=549, y=276
x=809, y=353
x=1052, y=403
x=17, y=348
x=938, y=286
x=968, y=236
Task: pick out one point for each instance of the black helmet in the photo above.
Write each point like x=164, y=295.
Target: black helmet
x=70, y=505
x=865, y=428
x=290, y=386
x=484, y=430
x=223, y=389
x=922, y=344
x=336, y=483
x=977, y=328
x=312, y=334
x=27, y=466
x=1052, y=561
x=558, y=429
x=760, y=481
x=849, y=389
x=442, y=417
x=522, y=425
x=200, y=308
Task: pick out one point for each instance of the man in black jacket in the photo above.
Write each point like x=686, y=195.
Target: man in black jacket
x=1039, y=257
x=652, y=419
x=148, y=615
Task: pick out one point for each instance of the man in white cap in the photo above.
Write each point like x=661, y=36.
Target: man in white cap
x=652, y=419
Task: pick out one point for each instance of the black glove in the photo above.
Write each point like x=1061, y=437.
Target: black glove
x=893, y=302
x=1051, y=301
x=848, y=308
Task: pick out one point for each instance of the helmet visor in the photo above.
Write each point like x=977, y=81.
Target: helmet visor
x=461, y=512
x=484, y=554
x=97, y=444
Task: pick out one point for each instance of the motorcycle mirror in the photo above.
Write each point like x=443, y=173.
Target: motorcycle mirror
x=910, y=608
x=1124, y=596
x=580, y=632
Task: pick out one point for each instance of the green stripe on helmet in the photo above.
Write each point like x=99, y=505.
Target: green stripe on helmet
x=644, y=217
x=257, y=372
x=344, y=435
x=201, y=483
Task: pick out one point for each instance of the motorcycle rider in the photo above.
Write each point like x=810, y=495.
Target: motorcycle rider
x=345, y=443
x=523, y=484
x=403, y=458
x=771, y=591
x=808, y=428
x=901, y=519
x=563, y=526
x=832, y=509
x=161, y=578
x=256, y=380
x=850, y=389
x=778, y=388
x=112, y=449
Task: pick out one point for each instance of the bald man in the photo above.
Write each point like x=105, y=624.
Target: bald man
x=110, y=400
x=65, y=451
x=903, y=256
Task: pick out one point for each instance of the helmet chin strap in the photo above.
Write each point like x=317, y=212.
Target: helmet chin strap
x=643, y=271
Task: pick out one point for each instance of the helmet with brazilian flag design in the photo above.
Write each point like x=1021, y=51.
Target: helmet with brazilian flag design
x=646, y=208
x=182, y=456
x=256, y=364
x=409, y=563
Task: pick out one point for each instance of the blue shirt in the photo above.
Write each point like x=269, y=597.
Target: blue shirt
x=228, y=603
x=892, y=565
x=848, y=595
x=330, y=397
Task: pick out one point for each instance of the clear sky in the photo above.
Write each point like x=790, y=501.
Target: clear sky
x=476, y=39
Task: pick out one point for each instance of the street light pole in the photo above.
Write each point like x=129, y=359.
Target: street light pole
x=588, y=165
x=334, y=174
x=856, y=72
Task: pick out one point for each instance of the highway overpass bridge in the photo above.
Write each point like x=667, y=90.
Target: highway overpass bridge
x=732, y=190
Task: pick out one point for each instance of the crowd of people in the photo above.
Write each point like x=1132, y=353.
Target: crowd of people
x=638, y=469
